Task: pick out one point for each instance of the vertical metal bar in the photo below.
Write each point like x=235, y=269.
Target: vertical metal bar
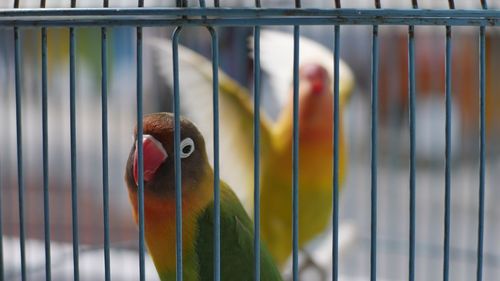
x=177, y=158
x=20, y=177
x=2, y=273
x=412, y=183
x=45, y=153
x=336, y=115
x=215, y=90
x=105, y=174
x=140, y=155
x=482, y=147
x=256, y=148
x=447, y=196
x=74, y=190
x=482, y=79
x=335, y=218
x=295, y=151
x=373, y=242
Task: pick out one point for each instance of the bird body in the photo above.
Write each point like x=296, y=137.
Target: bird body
x=315, y=176
x=236, y=228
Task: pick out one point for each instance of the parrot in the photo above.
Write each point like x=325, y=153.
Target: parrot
x=236, y=127
x=315, y=178
x=236, y=228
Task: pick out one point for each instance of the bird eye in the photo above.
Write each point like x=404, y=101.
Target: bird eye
x=187, y=147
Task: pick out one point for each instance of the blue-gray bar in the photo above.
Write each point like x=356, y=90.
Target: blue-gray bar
x=215, y=90
x=374, y=125
x=105, y=174
x=20, y=177
x=447, y=196
x=411, y=93
x=482, y=151
x=295, y=155
x=140, y=156
x=74, y=189
x=252, y=12
x=256, y=151
x=177, y=156
x=45, y=155
x=336, y=122
x=277, y=20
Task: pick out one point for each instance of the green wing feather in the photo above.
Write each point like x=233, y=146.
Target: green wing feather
x=237, y=255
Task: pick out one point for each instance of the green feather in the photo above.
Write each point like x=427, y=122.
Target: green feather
x=236, y=230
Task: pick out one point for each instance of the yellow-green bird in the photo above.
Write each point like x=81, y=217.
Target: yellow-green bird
x=236, y=133
x=236, y=228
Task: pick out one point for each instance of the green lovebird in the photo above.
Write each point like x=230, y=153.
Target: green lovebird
x=236, y=229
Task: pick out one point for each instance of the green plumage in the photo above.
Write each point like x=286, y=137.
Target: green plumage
x=237, y=255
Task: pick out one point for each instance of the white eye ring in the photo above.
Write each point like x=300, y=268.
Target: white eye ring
x=187, y=143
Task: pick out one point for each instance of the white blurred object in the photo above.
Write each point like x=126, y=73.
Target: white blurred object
x=124, y=264
x=430, y=128
x=320, y=249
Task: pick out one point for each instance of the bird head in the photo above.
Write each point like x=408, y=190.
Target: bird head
x=315, y=96
x=158, y=155
x=316, y=78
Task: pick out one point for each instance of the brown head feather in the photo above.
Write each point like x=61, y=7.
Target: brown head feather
x=161, y=127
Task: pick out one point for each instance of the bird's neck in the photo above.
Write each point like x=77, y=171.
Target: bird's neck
x=160, y=226
x=315, y=140
x=315, y=122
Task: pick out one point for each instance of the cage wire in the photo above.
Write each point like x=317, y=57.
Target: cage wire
x=419, y=200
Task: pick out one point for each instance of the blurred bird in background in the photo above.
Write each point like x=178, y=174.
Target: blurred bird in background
x=236, y=228
x=315, y=174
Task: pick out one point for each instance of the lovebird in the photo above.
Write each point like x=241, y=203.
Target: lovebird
x=236, y=132
x=236, y=228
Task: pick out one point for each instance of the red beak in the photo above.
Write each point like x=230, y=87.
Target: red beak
x=154, y=154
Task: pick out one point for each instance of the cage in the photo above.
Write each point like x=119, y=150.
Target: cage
x=418, y=200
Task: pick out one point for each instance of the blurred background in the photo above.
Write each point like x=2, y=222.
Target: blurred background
x=393, y=166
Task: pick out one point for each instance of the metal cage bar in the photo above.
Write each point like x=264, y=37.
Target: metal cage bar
x=19, y=138
x=255, y=18
x=336, y=121
x=2, y=271
x=215, y=104
x=45, y=152
x=215, y=90
x=374, y=143
x=447, y=203
x=256, y=148
x=295, y=152
x=74, y=186
x=245, y=17
x=482, y=144
x=140, y=152
x=177, y=157
x=412, y=183
x=105, y=157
